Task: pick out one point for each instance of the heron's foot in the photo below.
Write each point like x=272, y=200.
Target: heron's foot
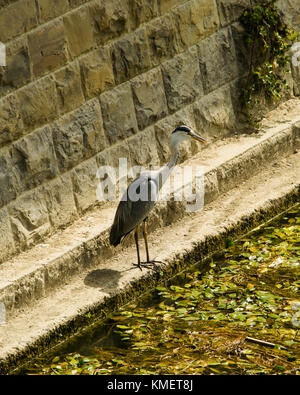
x=153, y=264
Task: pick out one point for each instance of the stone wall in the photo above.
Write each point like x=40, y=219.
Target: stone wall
x=87, y=82
x=291, y=10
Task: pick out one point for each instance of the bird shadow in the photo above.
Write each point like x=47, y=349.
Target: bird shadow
x=105, y=279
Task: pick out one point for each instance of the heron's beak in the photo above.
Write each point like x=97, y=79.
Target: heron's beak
x=198, y=138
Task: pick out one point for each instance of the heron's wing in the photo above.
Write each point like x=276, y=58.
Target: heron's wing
x=137, y=201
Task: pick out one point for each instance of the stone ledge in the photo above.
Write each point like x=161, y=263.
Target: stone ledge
x=85, y=299
x=32, y=274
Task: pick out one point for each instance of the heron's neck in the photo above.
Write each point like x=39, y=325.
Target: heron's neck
x=166, y=170
x=174, y=157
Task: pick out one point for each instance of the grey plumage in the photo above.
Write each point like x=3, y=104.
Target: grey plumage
x=131, y=213
x=141, y=195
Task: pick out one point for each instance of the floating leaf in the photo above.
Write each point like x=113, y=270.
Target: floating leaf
x=197, y=325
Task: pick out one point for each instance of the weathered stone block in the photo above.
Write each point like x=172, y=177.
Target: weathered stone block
x=97, y=72
x=4, y=3
x=33, y=158
x=291, y=11
x=241, y=112
x=117, y=157
x=18, y=18
x=7, y=246
x=29, y=219
x=143, y=149
x=68, y=85
x=17, y=71
x=295, y=67
x=182, y=79
x=231, y=10
x=8, y=181
x=111, y=155
x=214, y=114
x=85, y=184
x=60, y=201
x=47, y=47
x=296, y=129
x=39, y=103
x=79, y=31
x=130, y=56
x=11, y=123
x=111, y=19
x=50, y=9
x=79, y=135
x=167, y=5
x=118, y=113
x=143, y=11
x=218, y=61
x=241, y=48
x=195, y=20
x=26, y=290
x=162, y=39
x=149, y=98
x=76, y=3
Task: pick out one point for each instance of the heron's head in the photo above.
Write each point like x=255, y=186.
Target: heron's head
x=182, y=133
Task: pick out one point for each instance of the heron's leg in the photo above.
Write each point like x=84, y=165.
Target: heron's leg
x=146, y=240
x=149, y=263
x=136, y=238
x=140, y=264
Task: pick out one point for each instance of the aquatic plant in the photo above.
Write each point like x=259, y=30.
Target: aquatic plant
x=239, y=317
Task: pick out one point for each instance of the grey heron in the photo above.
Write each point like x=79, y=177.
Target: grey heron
x=142, y=194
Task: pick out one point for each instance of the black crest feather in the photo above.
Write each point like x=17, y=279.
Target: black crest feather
x=182, y=129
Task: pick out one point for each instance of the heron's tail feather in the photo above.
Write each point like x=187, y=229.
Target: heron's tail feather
x=114, y=239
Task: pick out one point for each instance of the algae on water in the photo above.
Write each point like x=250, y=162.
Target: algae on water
x=202, y=323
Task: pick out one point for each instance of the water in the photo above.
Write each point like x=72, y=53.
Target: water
x=201, y=322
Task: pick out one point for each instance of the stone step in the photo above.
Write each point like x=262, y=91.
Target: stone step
x=95, y=291
x=226, y=164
